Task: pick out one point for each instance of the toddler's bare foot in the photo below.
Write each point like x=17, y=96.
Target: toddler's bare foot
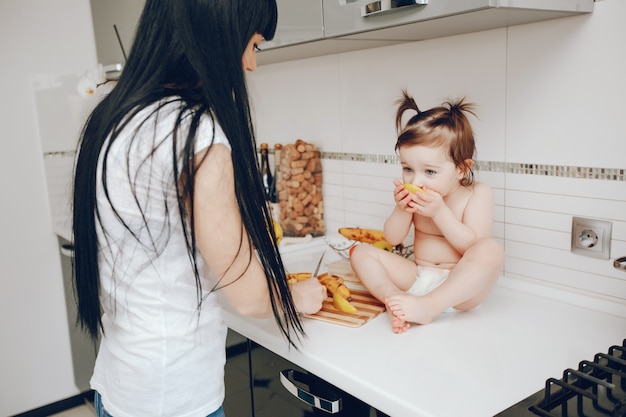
x=397, y=324
x=411, y=308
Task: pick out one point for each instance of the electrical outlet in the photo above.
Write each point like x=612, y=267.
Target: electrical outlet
x=591, y=237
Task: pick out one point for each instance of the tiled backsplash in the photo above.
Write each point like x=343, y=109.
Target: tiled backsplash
x=534, y=206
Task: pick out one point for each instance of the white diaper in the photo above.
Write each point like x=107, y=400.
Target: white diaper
x=428, y=279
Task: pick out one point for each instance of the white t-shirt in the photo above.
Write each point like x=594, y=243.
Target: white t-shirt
x=159, y=355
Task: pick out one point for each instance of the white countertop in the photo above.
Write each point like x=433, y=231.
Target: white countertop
x=475, y=363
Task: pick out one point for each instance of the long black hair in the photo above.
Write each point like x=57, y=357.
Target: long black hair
x=191, y=50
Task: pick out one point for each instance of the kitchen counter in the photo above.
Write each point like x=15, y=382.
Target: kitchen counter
x=475, y=363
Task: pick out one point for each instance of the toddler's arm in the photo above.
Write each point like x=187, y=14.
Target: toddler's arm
x=398, y=224
x=476, y=222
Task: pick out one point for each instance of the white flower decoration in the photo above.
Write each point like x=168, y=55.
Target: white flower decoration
x=89, y=83
x=86, y=87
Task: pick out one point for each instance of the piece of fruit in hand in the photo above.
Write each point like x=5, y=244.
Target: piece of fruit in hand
x=412, y=188
x=343, y=304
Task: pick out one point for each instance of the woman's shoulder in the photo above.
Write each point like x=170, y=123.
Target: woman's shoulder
x=208, y=130
x=210, y=133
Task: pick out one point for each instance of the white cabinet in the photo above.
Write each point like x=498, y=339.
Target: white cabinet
x=425, y=19
x=298, y=21
x=346, y=29
x=308, y=28
x=109, y=15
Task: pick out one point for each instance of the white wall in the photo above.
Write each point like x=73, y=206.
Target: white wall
x=37, y=38
x=547, y=93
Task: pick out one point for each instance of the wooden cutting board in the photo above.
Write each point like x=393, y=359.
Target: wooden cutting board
x=368, y=306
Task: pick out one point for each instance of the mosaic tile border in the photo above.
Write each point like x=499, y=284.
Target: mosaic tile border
x=610, y=174
x=566, y=171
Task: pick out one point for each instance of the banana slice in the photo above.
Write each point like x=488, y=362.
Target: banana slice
x=299, y=276
x=412, y=188
x=344, y=305
x=334, y=285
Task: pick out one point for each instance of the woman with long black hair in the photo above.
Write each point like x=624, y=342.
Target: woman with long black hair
x=169, y=210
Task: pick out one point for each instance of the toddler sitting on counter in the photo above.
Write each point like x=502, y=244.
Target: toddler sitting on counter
x=456, y=261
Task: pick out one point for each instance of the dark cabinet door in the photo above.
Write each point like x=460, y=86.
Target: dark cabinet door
x=254, y=388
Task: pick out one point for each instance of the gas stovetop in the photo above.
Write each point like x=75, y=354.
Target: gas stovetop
x=596, y=388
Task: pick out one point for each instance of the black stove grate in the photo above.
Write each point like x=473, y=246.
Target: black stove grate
x=597, y=388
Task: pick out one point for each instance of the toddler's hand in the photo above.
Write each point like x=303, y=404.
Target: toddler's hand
x=429, y=203
x=404, y=199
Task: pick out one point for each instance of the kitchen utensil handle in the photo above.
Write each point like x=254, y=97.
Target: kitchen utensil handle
x=288, y=377
x=385, y=6
x=317, y=267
